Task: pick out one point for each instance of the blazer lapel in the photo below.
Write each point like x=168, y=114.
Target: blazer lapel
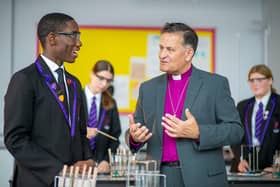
x=56, y=91
x=193, y=90
x=45, y=69
x=102, y=115
x=70, y=92
x=84, y=99
x=250, y=113
x=161, y=94
x=268, y=122
x=50, y=81
x=269, y=107
x=51, y=84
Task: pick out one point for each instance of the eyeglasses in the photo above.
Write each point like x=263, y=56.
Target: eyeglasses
x=258, y=80
x=73, y=35
x=101, y=78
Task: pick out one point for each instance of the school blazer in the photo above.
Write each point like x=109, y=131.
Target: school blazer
x=109, y=124
x=36, y=131
x=270, y=128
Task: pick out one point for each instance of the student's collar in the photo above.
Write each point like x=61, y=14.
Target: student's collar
x=264, y=99
x=90, y=94
x=51, y=64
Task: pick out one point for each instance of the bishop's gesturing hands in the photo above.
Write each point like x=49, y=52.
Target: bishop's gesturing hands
x=138, y=133
x=177, y=128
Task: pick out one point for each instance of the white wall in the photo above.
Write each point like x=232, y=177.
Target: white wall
x=238, y=24
x=5, y=51
x=272, y=25
x=5, y=71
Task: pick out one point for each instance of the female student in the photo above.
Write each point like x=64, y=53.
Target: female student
x=260, y=116
x=102, y=114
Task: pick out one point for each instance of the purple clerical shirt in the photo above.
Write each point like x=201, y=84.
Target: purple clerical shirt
x=174, y=102
x=178, y=90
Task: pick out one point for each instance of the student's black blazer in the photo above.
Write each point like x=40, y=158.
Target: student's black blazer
x=271, y=141
x=36, y=131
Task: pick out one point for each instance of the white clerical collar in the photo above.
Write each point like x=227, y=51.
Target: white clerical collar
x=176, y=77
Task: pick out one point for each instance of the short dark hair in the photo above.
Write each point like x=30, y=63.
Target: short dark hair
x=52, y=22
x=190, y=36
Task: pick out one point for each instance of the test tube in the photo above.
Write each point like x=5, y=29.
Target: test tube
x=250, y=161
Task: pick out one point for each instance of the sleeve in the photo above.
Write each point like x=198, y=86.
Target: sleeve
x=228, y=129
x=236, y=148
x=87, y=154
x=138, y=117
x=18, y=126
x=116, y=130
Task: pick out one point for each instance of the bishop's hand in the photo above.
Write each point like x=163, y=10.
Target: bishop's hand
x=138, y=133
x=177, y=128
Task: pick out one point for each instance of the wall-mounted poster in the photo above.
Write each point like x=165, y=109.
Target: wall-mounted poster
x=133, y=51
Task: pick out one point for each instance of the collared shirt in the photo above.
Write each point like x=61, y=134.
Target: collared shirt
x=174, y=103
x=264, y=101
x=53, y=67
x=89, y=96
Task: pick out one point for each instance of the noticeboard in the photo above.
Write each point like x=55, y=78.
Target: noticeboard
x=133, y=51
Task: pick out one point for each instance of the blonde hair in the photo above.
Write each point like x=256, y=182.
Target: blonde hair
x=264, y=70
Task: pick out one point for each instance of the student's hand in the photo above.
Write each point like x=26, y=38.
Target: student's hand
x=176, y=128
x=268, y=169
x=243, y=166
x=84, y=163
x=103, y=167
x=138, y=134
x=91, y=132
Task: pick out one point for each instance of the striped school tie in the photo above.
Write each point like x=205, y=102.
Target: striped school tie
x=258, y=121
x=92, y=120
